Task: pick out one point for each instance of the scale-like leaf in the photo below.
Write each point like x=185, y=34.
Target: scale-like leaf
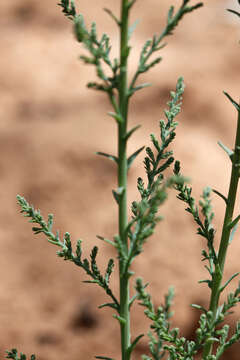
x=229, y=152
x=111, y=305
x=234, y=222
x=234, y=229
x=106, y=240
x=133, y=345
x=130, y=132
x=132, y=28
x=235, y=104
x=220, y=195
x=110, y=157
x=110, y=13
x=228, y=281
x=117, y=194
x=133, y=156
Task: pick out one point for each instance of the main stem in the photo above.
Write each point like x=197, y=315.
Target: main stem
x=226, y=231
x=122, y=181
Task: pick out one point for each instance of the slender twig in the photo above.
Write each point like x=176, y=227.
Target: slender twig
x=122, y=179
x=226, y=232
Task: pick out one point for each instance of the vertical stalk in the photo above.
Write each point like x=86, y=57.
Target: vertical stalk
x=122, y=179
x=226, y=231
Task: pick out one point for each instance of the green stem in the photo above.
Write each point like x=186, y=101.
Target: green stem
x=122, y=180
x=226, y=231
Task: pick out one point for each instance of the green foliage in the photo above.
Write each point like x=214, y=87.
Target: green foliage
x=205, y=227
x=133, y=233
x=98, y=49
x=164, y=339
x=90, y=267
x=155, y=44
x=13, y=354
x=145, y=212
x=68, y=9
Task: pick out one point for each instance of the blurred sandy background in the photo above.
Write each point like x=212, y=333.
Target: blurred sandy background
x=50, y=128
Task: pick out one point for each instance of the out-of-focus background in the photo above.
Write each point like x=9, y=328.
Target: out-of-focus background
x=50, y=128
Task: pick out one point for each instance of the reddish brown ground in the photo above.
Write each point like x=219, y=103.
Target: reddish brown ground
x=50, y=128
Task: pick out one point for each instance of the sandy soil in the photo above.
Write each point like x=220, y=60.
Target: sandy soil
x=50, y=128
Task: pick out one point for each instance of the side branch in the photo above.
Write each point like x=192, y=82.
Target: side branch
x=90, y=267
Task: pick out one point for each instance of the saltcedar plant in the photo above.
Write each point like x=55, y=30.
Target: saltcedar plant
x=164, y=341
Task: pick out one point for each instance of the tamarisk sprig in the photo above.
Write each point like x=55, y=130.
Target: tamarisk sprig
x=163, y=312
x=205, y=226
x=90, y=267
x=153, y=166
x=216, y=259
x=144, y=212
x=155, y=44
x=206, y=230
x=99, y=50
x=164, y=339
